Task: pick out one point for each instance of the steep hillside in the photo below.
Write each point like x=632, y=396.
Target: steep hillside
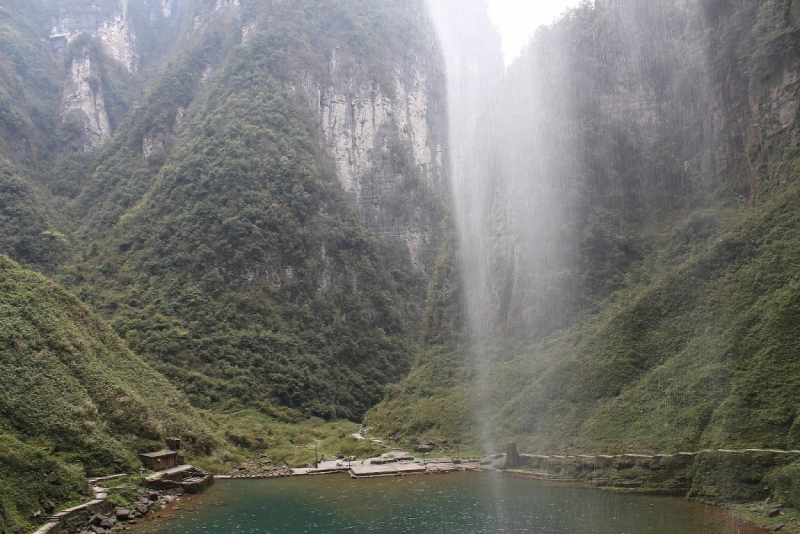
x=75, y=399
x=252, y=193
x=262, y=225
x=702, y=353
x=642, y=251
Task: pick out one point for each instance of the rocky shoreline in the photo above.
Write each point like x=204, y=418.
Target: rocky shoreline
x=121, y=518
x=103, y=516
x=736, y=480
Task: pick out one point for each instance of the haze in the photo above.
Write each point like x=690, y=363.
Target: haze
x=516, y=20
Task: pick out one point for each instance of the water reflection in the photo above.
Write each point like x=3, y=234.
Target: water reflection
x=459, y=503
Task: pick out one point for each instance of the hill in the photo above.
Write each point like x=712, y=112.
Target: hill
x=75, y=400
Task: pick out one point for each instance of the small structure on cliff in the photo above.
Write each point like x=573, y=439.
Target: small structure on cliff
x=165, y=458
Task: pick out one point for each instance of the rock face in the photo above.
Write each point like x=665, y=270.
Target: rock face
x=83, y=102
x=370, y=130
x=109, y=25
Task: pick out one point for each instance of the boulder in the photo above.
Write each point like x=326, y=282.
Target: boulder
x=108, y=522
x=141, y=508
x=153, y=495
x=122, y=514
x=53, y=478
x=775, y=512
x=775, y=528
x=49, y=506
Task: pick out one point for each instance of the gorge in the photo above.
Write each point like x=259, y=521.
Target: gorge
x=259, y=224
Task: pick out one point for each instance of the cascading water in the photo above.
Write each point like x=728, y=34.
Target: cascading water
x=558, y=163
x=474, y=64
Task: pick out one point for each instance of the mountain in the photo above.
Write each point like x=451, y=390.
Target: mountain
x=252, y=194
x=274, y=211
x=247, y=200
x=630, y=254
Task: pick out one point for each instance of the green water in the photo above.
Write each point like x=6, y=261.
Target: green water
x=457, y=503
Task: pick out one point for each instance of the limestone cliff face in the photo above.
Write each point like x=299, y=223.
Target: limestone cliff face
x=367, y=127
x=83, y=102
x=543, y=169
x=111, y=24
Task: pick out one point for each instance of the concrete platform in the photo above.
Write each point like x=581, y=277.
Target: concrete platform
x=320, y=470
x=174, y=471
x=323, y=468
x=367, y=470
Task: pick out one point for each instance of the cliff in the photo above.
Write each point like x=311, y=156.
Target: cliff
x=285, y=177
x=252, y=196
x=92, y=39
x=367, y=129
x=637, y=294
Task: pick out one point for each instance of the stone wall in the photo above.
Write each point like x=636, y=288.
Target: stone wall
x=711, y=476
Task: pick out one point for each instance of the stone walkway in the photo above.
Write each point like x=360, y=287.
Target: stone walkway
x=100, y=497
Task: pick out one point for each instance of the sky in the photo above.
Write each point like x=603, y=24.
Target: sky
x=518, y=19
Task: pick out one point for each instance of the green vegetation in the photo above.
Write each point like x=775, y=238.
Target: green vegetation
x=211, y=231
x=79, y=403
x=247, y=308
x=248, y=434
x=27, y=231
x=679, y=328
x=75, y=400
x=216, y=274
x=24, y=469
x=228, y=256
x=30, y=89
x=212, y=234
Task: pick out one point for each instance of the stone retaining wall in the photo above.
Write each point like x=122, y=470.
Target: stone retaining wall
x=63, y=521
x=712, y=476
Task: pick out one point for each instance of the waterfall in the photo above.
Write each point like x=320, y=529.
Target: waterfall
x=561, y=160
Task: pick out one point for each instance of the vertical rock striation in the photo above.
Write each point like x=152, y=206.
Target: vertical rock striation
x=84, y=104
x=384, y=140
x=111, y=26
x=114, y=25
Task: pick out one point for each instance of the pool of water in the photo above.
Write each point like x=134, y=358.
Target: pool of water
x=456, y=503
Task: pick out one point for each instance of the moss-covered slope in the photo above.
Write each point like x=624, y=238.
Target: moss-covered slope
x=75, y=399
